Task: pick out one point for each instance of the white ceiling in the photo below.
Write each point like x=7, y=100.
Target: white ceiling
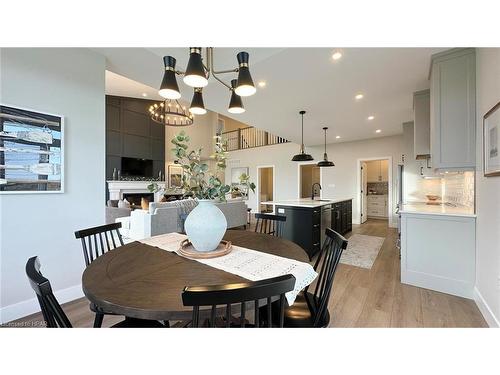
x=298, y=78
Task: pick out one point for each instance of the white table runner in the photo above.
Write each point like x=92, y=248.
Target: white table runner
x=249, y=264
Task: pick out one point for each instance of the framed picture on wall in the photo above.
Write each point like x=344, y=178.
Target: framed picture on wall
x=491, y=149
x=175, y=173
x=31, y=151
x=238, y=189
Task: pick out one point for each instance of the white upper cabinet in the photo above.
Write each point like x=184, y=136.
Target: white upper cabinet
x=453, y=109
x=384, y=170
x=422, y=124
x=378, y=171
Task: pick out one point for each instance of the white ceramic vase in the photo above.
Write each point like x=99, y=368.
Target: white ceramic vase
x=205, y=225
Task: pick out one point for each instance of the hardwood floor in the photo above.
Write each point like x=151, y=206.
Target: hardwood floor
x=376, y=298
x=360, y=298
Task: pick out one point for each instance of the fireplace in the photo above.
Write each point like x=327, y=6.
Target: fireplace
x=135, y=198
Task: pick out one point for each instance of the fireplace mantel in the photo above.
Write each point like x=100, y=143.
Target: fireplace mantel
x=117, y=188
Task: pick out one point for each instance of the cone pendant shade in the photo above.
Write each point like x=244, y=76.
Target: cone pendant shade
x=244, y=85
x=169, y=88
x=195, y=71
x=197, y=106
x=235, y=104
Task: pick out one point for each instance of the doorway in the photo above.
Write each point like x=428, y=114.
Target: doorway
x=375, y=189
x=265, y=188
x=309, y=174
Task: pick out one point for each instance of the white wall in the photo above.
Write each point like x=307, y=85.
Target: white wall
x=68, y=82
x=487, y=193
x=337, y=182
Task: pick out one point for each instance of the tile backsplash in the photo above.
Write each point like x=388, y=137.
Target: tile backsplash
x=458, y=188
x=452, y=187
x=378, y=187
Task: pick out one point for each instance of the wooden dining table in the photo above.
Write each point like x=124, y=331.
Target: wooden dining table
x=142, y=281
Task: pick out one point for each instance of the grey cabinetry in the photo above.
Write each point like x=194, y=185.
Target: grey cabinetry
x=453, y=109
x=422, y=126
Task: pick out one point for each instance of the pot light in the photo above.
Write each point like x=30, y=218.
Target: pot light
x=378, y=131
x=337, y=55
x=337, y=137
x=358, y=96
x=262, y=83
x=371, y=118
x=144, y=95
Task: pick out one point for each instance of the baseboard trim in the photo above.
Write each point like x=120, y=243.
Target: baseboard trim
x=31, y=306
x=485, y=310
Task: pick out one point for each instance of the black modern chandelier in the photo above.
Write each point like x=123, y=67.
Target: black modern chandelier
x=302, y=156
x=325, y=162
x=196, y=76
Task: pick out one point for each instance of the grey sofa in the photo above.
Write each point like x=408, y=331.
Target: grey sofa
x=167, y=217
x=113, y=212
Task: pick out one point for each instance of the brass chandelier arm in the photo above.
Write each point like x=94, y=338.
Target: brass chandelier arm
x=212, y=68
x=209, y=56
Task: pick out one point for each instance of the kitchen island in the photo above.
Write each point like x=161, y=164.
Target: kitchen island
x=438, y=247
x=307, y=219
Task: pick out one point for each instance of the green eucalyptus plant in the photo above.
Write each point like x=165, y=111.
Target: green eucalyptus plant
x=197, y=180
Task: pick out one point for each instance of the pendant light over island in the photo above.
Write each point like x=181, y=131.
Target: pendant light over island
x=302, y=156
x=325, y=162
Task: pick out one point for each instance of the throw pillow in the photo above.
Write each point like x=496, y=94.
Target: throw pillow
x=123, y=203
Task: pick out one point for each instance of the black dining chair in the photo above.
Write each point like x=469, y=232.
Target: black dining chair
x=310, y=310
x=98, y=240
x=270, y=224
x=52, y=312
x=95, y=242
x=230, y=295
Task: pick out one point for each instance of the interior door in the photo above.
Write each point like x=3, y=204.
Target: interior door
x=364, y=190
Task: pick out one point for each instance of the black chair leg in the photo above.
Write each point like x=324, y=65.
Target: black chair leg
x=98, y=320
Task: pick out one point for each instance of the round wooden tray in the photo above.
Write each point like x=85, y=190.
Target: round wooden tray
x=186, y=249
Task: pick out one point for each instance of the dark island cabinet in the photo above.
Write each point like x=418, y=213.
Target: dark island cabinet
x=306, y=226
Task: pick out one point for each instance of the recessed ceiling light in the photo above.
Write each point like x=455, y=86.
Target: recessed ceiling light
x=358, y=96
x=262, y=83
x=144, y=94
x=337, y=55
x=378, y=131
x=371, y=118
x=338, y=136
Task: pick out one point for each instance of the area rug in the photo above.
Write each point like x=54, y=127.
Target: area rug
x=362, y=250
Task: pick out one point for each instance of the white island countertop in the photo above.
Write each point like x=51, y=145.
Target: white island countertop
x=442, y=209
x=306, y=202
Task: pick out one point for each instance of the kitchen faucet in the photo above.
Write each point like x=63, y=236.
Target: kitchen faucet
x=312, y=188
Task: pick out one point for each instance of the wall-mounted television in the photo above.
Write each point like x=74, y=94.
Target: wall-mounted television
x=132, y=167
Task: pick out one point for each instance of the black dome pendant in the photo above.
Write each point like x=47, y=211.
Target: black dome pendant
x=302, y=156
x=325, y=162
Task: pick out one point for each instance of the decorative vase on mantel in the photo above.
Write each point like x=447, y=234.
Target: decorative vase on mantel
x=205, y=226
